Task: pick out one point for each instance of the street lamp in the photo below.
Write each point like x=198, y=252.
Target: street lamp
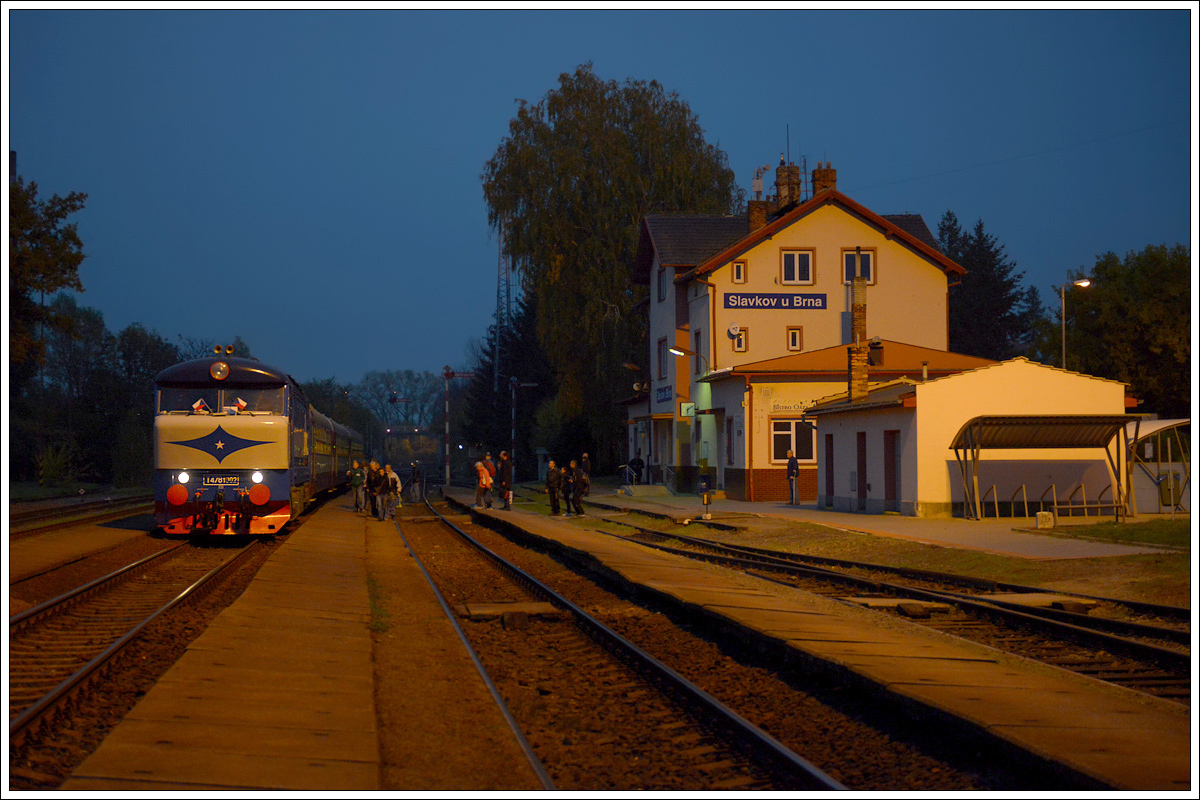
x=681, y=351
x=1082, y=283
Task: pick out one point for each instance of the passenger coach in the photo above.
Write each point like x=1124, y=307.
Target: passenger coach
x=239, y=449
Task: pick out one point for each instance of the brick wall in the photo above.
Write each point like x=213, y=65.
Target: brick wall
x=770, y=485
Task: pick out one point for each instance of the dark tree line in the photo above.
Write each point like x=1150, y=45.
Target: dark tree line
x=1132, y=323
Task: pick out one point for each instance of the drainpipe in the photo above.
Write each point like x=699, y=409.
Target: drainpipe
x=749, y=439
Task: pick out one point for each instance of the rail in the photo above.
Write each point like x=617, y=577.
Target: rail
x=760, y=744
x=24, y=722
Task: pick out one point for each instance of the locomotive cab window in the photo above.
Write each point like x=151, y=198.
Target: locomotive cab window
x=187, y=400
x=262, y=401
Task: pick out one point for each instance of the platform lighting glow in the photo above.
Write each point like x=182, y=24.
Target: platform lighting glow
x=183, y=477
x=257, y=477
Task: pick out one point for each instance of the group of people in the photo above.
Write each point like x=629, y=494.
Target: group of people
x=494, y=482
x=376, y=489
x=571, y=484
x=488, y=475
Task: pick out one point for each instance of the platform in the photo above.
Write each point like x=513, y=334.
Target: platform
x=278, y=693
x=1120, y=738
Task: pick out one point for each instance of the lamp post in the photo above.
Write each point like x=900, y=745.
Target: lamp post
x=682, y=351
x=1082, y=283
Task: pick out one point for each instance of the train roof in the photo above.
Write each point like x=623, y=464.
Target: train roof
x=244, y=373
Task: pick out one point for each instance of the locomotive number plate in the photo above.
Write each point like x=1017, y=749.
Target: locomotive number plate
x=221, y=480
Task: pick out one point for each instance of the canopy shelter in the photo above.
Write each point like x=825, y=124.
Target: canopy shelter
x=1161, y=461
x=1034, y=432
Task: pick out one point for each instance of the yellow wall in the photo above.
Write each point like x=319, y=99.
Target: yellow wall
x=1012, y=387
x=907, y=302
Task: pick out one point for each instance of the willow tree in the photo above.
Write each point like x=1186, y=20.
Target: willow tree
x=567, y=190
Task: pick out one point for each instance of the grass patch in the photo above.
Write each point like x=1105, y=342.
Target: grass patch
x=1165, y=532
x=380, y=618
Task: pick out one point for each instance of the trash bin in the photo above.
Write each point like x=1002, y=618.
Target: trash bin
x=1169, y=490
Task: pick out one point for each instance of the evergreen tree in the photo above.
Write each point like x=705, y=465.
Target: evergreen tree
x=991, y=315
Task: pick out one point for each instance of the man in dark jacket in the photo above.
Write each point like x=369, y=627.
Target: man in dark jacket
x=553, y=484
x=579, y=489
x=793, y=475
x=504, y=479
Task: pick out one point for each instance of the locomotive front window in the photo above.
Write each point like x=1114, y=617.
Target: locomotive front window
x=263, y=401
x=194, y=400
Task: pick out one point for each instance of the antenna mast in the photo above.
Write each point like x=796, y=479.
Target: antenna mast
x=503, y=310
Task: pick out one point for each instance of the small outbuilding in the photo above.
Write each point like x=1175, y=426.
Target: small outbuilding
x=1011, y=438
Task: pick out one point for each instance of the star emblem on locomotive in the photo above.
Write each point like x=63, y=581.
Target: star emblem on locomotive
x=219, y=444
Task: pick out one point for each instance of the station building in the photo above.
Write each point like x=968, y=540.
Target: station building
x=1007, y=439
x=751, y=321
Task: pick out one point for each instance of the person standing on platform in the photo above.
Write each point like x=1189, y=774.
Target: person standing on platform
x=579, y=488
x=567, y=487
x=395, y=486
x=553, y=484
x=383, y=492
x=793, y=476
x=372, y=487
x=586, y=466
x=637, y=465
x=504, y=480
x=483, y=485
x=357, y=478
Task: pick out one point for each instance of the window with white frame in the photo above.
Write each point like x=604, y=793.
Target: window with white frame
x=738, y=272
x=663, y=355
x=795, y=435
x=795, y=339
x=741, y=340
x=865, y=260
x=796, y=267
x=662, y=284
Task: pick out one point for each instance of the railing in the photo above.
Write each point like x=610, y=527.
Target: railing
x=669, y=477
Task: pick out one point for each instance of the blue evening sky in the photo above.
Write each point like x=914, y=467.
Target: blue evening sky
x=310, y=180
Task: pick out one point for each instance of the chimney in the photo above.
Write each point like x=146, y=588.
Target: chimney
x=758, y=210
x=859, y=350
x=824, y=177
x=787, y=183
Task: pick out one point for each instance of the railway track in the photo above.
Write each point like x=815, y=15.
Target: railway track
x=63, y=649
x=1118, y=647
x=852, y=737
x=27, y=521
x=682, y=735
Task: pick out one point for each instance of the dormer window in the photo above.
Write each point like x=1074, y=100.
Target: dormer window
x=796, y=267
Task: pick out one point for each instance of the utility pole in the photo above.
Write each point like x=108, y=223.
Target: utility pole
x=448, y=373
x=513, y=383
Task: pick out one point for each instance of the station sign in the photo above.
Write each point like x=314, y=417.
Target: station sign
x=665, y=394
x=776, y=301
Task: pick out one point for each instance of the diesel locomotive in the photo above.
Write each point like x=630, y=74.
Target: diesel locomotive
x=238, y=449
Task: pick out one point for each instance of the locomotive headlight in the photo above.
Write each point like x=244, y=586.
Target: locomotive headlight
x=257, y=477
x=183, y=477
x=219, y=370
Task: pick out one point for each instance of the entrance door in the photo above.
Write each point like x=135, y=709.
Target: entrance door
x=862, y=470
x=891, y=472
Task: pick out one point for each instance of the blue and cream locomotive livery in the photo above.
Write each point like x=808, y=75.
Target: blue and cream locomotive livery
x=239, y=450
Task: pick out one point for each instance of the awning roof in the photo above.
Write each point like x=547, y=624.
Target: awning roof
x=1041, y=431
